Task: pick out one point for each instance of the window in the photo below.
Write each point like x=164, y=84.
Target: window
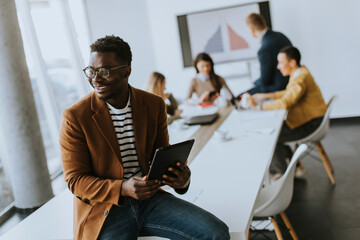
x=50, y=34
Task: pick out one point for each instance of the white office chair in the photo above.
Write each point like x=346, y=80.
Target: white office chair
x=276, y=197
x=317, y=136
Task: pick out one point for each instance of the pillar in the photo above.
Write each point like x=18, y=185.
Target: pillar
x=23, y=150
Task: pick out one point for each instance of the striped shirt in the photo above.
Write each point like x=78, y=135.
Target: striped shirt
x=123, y=124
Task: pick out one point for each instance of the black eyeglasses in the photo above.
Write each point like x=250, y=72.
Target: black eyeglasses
x=102, y=72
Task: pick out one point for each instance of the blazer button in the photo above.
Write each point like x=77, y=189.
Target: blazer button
x=106, y=212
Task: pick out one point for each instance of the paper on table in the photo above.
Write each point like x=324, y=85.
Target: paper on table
x=250, y=115
x=264, y=131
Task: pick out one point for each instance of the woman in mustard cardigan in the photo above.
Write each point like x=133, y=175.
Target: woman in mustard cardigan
x=303, y=100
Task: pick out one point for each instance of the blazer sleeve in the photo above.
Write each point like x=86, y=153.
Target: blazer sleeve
x=279, y=94
x=77, y=167
x=266, y=70
x=162, y=135
x=291, y=95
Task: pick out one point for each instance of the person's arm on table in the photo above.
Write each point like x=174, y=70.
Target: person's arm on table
x=291, y=96
x=252, y=103
x=252, y=100
x=263, y=96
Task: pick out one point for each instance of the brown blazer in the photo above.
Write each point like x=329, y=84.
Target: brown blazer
x=91, y=156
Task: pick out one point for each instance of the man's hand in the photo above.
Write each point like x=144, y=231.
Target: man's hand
x=263, y=96
x=139, y=189
x=178, y=112
x=182, y=178
x=205, y=96
x=250, y=101
x=259, y=96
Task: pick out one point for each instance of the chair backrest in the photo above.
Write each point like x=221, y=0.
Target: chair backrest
x=322, y=130
x=276, y=197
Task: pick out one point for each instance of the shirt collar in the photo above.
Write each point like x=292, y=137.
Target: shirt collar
x=297, y=72
x=127, y=104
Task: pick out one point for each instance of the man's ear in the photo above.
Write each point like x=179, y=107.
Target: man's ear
x=252, y=30
x=127, y=71
x=293, y=63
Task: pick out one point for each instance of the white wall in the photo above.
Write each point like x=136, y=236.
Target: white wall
x=128, y=20
x=326, y=32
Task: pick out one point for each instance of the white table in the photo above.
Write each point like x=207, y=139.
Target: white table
x=54, y=220
x=229, y=174
x=226, y=178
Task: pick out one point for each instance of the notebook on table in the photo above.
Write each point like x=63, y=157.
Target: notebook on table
x=202, y=119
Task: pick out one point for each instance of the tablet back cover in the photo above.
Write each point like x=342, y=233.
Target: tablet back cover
x=168, y=157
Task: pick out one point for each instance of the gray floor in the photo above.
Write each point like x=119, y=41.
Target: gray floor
x=318, y=210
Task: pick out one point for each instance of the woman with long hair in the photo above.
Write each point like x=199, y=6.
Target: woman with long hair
x=156, y=84
x=206, y=84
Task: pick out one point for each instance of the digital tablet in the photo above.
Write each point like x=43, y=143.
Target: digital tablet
x=166, y=157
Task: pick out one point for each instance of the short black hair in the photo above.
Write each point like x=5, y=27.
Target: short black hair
x=292, y=53
x=113, y=44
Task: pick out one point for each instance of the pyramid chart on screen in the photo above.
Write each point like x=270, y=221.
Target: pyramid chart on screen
x=215, y=44
x=236, y=41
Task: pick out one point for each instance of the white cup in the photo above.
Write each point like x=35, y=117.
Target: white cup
x=221, y=135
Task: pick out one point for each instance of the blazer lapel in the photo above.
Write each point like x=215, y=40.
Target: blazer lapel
x=104, y=123
x=139, y=116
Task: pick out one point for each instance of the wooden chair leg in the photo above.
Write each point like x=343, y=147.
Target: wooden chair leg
x=277, y=229
x=326, y=156
x=248, y=235
x=327, y=164
x=289, y=226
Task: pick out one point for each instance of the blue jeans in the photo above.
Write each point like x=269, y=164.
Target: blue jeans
x=162, y=215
